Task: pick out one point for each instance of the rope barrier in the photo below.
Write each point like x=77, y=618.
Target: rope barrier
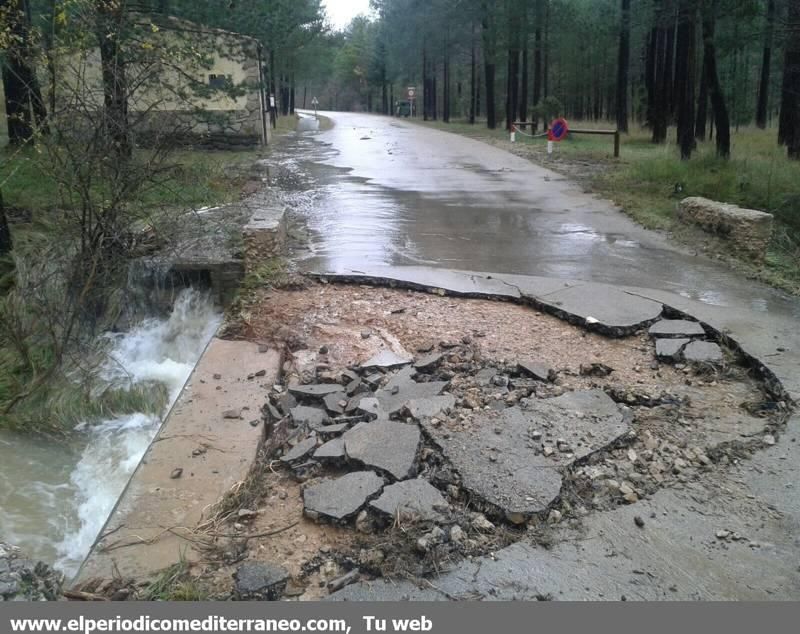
x=533, y=136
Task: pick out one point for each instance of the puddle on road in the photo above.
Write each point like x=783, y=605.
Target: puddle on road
x=402, y=198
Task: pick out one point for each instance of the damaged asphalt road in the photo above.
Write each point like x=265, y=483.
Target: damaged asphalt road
x=445, y=457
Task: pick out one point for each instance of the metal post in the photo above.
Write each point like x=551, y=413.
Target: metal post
x=513, y=134
x=616, y=144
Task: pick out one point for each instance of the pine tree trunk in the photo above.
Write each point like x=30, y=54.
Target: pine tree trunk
x=489, y=65
x=623, y=66
x=790, y=102
x=650, y=76
x=110, y=22
x=702, y=103
x=537, y=68
x=512, y=96
x=721, y=119
x=662, y=74
x=473, y=88
x=523, y=89
x=6, y=243
x=685, y=77
x=766, y=61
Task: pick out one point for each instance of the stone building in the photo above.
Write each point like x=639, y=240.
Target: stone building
x=201, y=86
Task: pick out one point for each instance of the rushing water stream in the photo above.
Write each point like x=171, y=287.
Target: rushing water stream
x=55, y=497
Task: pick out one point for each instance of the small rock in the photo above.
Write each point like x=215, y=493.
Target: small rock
x=596, y=369
x=345, y=580
x=366, y=334
x=480, y=523
x=554, y=517
x=260, y=581
x=217, y=377
x=457, y=534
x=723, y=534
x=176, y=473
x=769, y=440
x=638, y=521
x=232, y=414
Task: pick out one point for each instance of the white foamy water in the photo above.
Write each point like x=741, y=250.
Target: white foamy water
x=55, y=498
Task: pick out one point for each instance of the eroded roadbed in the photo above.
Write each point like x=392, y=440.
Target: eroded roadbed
x=426, y=447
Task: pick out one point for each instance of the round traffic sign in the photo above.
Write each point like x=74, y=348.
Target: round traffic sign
x=558, y=130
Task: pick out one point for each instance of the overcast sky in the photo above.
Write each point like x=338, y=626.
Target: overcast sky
x=340, y=12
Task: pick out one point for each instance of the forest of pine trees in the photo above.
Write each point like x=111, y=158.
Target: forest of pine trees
x=698, y=67
x=694, y=67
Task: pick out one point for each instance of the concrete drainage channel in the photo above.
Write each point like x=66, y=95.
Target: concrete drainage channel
x=415, y=450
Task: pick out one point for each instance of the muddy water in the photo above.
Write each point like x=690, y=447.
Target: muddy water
x=391, y=193
x=55, y=497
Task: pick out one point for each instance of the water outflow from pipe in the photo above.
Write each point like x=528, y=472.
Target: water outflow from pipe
x=55, y=497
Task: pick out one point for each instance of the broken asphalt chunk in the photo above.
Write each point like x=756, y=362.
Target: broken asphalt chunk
x=310, y=416
x=331, y=450
x=676, y=328
x=386, y=360
x=315, y=391
x=300, y=450
x=385, y=445
x=511, y=469
x=538, y=371
x=343, y=497
x=703, y=352
x=257, y=581
x=670, y=349
x=411, y=499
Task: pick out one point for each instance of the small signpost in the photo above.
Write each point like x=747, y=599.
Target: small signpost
x=559, y=129
x=315, y=103
x=411, y=94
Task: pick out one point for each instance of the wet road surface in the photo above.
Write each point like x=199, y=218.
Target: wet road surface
x=389, y=192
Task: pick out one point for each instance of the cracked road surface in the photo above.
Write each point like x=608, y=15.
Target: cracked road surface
x=399, y=201
x=394, y=193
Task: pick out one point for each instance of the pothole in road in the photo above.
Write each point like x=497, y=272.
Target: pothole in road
x=421, y=430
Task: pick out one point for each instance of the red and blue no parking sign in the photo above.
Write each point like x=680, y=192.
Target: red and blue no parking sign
x=559, y=129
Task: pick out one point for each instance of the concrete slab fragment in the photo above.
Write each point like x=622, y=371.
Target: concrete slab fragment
x=670, y=349
x=703, y=352
x=466, y=283
x=400, y=391
x=300, y=450
x=538, y=371
x=428, y=361
x=389, y=446
x=343, y=497
x=331, y=450
x=313, y=417
x=605, y=308
x=500, y=457
x=411, y=499
x=257, y=581
x=676, y=328
x=429, y=407
x=372, y=407
x=386, y=360
x=333, y=402
x=315, y=391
